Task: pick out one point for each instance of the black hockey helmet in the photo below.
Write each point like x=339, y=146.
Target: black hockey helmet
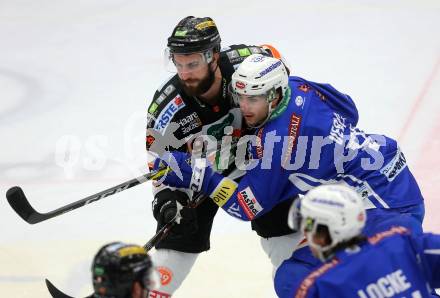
x=117, y=266
x=193, y=34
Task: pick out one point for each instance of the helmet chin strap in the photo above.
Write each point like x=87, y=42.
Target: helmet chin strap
x=281, y=102
x=323, y=252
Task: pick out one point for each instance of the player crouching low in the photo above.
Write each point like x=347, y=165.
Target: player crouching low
x=392, y=263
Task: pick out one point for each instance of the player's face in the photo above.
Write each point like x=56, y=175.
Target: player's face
x=253, y=108
x=318, y=240
x=317, y=234
x=193, y=71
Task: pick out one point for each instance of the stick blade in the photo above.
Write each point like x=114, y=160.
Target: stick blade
x=54, y=291
x=18, y=201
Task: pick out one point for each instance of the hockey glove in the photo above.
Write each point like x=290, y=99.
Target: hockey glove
x=183, y=174
x=198, y=176
x=167, y=204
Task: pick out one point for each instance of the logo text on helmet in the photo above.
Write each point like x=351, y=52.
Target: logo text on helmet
x=180, y=33
x=327, y=202
x=206, y=24
x=257, y=58
x=270, y=68
x=240, y=85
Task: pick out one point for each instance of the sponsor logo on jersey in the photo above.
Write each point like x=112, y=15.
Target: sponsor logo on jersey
x=337, y=130
x=395, y=166
x=244, y=52
x=168, y=112
x=234, y=210
x=232, y=55
x=299, y=101
x=190, y=127
x=304, y=88
x=150, y=119
x=256, y=50
x=224, y=191
x=160, y=99
x=149, y=141
x=270, y=68
x=153, y=108
x=169, y=89
x=311, y=278
x=259, y=144
x=293, y=131
x=166, y=275
x=249, y=203
x=380, y=236
x=320, y=95
x=189, y=119
x=216, y=130
x=190, y=123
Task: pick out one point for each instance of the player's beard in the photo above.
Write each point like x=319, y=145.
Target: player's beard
x=202, y=86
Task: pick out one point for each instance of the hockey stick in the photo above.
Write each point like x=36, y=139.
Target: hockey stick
x=54, y=292
x=18, y=201
x=162, y=233
x=166, y=229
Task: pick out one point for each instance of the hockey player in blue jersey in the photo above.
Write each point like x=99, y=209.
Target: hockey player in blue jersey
x=391, y=263
x=305, y=136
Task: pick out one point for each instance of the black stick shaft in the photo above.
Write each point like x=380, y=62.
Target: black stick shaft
x=18, y=201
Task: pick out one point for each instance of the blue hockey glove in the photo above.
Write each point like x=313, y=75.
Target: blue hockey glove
x=185, y=172
x=195, y=174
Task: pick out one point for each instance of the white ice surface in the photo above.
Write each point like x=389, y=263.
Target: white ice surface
x=85, y=71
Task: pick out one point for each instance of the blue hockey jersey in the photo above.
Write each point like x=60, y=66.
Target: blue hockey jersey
x=392, y=263
x=313, y=140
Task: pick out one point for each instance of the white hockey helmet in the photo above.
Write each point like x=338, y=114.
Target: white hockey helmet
x=337, y=207
x=260, y=75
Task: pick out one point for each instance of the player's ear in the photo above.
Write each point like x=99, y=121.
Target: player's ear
x=277, y=99
x=215, y=60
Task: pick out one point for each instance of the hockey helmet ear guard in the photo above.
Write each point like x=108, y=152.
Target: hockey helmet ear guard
x=294, y=215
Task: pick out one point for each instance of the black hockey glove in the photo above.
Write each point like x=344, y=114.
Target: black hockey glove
x=165, y=207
